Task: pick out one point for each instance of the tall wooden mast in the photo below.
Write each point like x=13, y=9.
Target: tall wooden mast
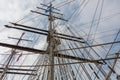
x=50, y=42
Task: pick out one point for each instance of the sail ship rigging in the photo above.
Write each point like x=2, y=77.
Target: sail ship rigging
x=79, y=44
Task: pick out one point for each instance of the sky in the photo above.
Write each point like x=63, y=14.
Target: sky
x=84, y=10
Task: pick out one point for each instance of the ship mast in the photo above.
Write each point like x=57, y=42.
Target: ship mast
x=52, y=45
x=10, y=59
x=50, y=42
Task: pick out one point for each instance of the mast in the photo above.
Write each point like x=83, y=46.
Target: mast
x=10, y=59
x=50, y=42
